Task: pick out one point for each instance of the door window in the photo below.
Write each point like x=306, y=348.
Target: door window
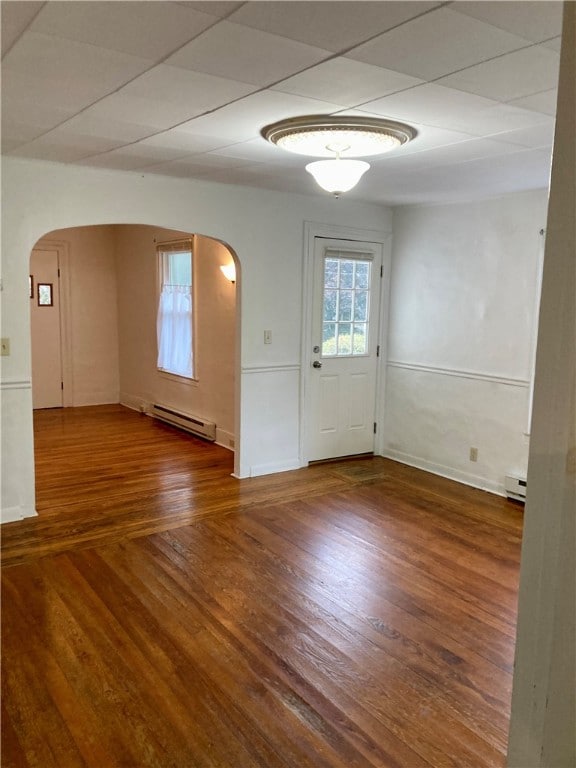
x=346, y=306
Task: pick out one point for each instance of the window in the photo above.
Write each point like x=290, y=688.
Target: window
x=175, y=319
x=345, y=307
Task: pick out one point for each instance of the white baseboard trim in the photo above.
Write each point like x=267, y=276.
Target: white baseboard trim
x=134, y=403
x=466, y=478
x=12, y=514
x=225, y=439
x=269, y=469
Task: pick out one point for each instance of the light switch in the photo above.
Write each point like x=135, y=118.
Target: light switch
x=267, y=337
x=5, y=347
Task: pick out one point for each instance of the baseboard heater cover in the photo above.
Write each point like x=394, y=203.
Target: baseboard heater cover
x=515, y=487
x=199, y=427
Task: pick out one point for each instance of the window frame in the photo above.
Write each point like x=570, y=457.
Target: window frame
x=164, y=247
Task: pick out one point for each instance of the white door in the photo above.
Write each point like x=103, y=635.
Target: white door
x=341, y=399
x=45, y=328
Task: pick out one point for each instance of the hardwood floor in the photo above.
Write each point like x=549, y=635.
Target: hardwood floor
x=159, y=612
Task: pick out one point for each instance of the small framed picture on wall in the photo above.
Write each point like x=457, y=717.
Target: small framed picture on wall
x=45, y=298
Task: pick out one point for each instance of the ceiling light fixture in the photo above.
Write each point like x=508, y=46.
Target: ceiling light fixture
x=339, y=138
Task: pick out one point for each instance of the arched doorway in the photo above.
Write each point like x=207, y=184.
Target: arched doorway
x=109, y=293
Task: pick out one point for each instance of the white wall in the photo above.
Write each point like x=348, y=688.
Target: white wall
x=265, y=230
x=92, y=317
x=462, y=324
x=211, y=395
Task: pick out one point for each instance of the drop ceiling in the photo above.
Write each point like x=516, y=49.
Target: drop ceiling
x=183, y=89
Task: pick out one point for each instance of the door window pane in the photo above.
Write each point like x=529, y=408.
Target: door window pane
x=361, y=306
x=346, y=306
x=330, y=304
x=331, y=273
x=346, y=273
x=362, y=274
x=344, y=340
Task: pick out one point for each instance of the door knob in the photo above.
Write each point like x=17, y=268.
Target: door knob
x=316, y=364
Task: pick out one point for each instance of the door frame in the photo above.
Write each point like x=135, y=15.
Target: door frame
x=312, y=230
x=45, y=244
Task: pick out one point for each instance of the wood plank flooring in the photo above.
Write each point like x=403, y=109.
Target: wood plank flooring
x=160, y=613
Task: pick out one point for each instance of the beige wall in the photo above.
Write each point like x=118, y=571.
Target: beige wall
x=90, y=313
x=211, y=395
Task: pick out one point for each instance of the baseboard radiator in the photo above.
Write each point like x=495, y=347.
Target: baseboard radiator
x=199, y=427
x=515, y=487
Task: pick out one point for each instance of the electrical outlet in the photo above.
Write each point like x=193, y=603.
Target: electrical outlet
x=5, y=347
x=473, y=454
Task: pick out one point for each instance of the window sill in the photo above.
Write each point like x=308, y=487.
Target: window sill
x=175, y=377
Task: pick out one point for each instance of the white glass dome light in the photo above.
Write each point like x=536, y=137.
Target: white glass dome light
x=339, y=138
x=337, y=176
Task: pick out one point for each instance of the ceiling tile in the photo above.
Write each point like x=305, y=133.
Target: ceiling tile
x=459, y=152
x=88, y=144
x=555, y=44
x=65, y=72
x=535, y=21
x=442, y=107
x=186, y=142
x=153, y=115
x=143, y=153
x=16, y=16
x=259, y=150
x=429, y=104
x=89, y=123
x=248, y=55
x=511, y=76
x=217, y=8
x=335, y=26
x=28, y=119
x=245, y=119
x=58, y=153
x=166, y=96
x=427, y=136
x=544, y=102
x=155, y=28
x=536, y=136
x=18, y=133
x=194, y=90
x=526, y=169
x=347, y=82
x=415, y=48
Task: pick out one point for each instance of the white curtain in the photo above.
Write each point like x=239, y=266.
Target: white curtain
x=174, y=329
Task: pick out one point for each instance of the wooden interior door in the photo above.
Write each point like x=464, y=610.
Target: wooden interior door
x=45, y=329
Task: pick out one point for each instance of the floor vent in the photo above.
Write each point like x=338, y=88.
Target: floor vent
x=515, y=487
x=199, y=427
